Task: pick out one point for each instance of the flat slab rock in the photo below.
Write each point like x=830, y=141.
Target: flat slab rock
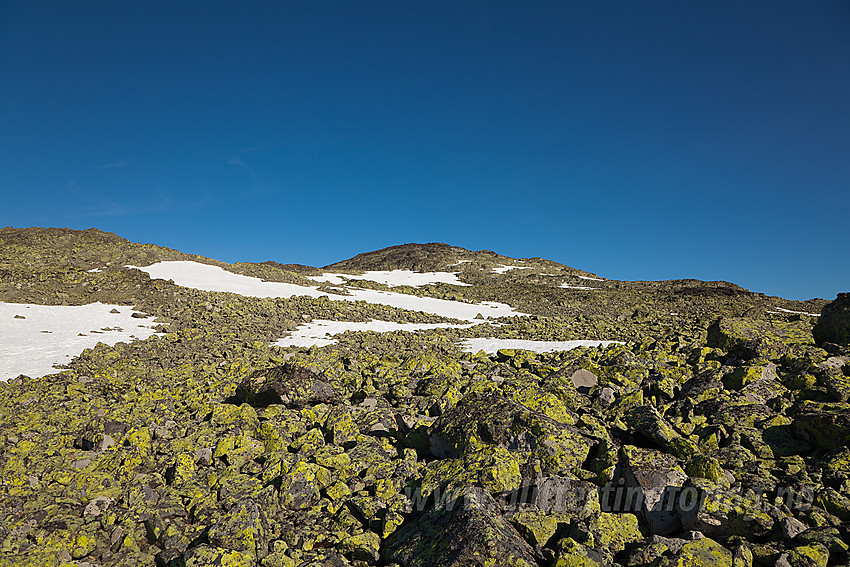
x=289, y=385
x=584, y=380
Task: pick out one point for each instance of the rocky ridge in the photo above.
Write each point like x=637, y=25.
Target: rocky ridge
x=717, y=435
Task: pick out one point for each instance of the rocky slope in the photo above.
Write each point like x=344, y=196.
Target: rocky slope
x=715, y=434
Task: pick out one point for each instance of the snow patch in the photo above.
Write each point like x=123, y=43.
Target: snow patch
x=320, y=331
x=503, y=269
x=54, y=334
x=212, y=278
x=491, y=345
x=584, y=287
x=592, y=279
x=333, y=279
x=780, y=311
x=394, y=277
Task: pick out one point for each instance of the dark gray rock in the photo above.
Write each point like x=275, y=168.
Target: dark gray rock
x=833, y=325
x=466, y=531
x=290, y=385
x=654, y=479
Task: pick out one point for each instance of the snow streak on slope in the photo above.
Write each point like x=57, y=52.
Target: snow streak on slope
x=780, y=311
x=320, y=331
x=503, y=269
x=490, y=345
x=393, y=277
x=53, y=334
x=212, y=278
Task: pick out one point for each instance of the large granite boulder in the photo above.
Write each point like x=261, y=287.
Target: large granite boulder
x=289, y=385
x=468, y=530
x=833, y=325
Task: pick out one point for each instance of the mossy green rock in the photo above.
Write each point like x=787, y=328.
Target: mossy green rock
x=289, y=384
x=472, y=532
x=649, y=423
x=814, y=555
x=480, y=420
x=752, y=338
x=703, y=552
x=494, y=468
x=828, y=428
x=243, y=528
x=608, y=532
x=538, y=528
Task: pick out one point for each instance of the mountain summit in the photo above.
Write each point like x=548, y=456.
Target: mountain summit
x=430, y=257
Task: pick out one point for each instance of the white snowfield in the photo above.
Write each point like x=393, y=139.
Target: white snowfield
x=393, y=277
x=780, y=310
x=320, y=331
x=592, y=279
x=212, y=278
x=502, y=269
x=53, y=334
x=490, y=345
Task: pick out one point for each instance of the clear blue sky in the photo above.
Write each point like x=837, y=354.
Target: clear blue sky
x=638, y=140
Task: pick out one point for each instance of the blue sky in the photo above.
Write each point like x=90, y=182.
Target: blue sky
x=637, y=140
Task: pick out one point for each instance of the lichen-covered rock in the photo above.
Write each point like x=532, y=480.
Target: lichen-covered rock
x=829, y=537
x=608, y=532
x=815, y=555
x=141, y=453
x=835, y=503
x=480, y=420
x=289, y=384
x=722, y=513
x=833, y=325
x=244, y=528
x=649, y=423
x=467, y=531
x=494, y=468
x=703, y=552
x=753, y=338
x=651, y=487
x=300, y=486
x=204, y=555
x=827, y=426
x=538, y=528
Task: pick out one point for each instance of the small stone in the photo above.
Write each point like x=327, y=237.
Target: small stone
x=107, y=441
x=97, y=506
x=584, y=380
x=606, y=396
x=791, y=527
x=204, y=456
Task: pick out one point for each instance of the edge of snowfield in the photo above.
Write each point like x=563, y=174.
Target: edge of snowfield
x=213, y=278
x=34, y=338
x=491, y=345
x=47, y=335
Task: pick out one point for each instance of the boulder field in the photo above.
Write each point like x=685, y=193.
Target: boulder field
x=705, y=440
